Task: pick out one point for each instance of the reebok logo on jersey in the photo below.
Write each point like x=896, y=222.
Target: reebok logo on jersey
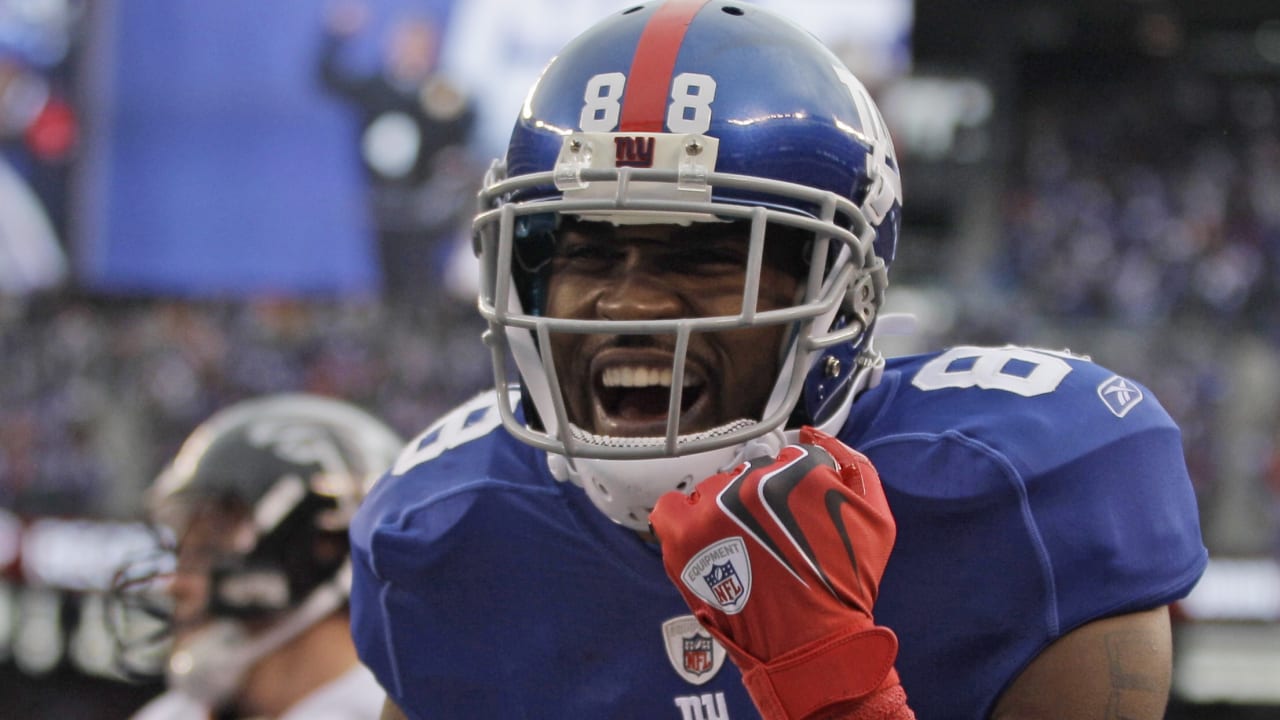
x=695, y=655
x=721, y=575
x=1119, y=395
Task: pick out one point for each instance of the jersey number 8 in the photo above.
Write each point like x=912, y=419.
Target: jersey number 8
x=1021, y=371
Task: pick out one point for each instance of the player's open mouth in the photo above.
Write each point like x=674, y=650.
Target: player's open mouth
x=632, y=399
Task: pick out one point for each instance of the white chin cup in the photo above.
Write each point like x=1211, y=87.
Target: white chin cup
x=626, y=490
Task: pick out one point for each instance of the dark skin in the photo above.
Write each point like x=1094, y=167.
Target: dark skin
x=660, y=272
x=1110, y=669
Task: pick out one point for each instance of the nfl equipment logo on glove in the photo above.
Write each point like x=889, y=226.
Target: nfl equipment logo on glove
x=721, y=575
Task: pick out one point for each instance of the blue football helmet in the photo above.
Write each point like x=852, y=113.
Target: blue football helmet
x=680, y=112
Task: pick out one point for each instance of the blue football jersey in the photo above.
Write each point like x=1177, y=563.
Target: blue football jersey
x=1033, y=491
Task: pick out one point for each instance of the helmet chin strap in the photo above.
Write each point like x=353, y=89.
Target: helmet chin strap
x=212, y=667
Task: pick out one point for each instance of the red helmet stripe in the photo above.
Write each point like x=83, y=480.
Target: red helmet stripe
x=644, y=102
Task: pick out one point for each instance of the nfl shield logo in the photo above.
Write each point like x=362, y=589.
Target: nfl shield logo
x=697, y=654
x=724, y=584
x=694, y=654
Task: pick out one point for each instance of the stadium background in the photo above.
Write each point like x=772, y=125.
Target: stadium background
x=197, y=207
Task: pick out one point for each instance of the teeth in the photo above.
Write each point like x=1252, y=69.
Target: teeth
x=637, y=377
x=631, y=376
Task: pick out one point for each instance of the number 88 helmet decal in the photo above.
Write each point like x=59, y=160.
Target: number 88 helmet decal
x=682, y=112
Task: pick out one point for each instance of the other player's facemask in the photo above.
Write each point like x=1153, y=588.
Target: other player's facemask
x=714, y=124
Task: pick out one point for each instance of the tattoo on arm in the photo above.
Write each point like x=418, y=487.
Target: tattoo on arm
x=1133, y=686
x=1115, y=668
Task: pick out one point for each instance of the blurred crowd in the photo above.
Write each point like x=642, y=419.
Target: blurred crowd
x=1152, y=200
x=97, y=393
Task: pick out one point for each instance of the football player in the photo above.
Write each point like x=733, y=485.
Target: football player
x=257, y=503
x=697, y=491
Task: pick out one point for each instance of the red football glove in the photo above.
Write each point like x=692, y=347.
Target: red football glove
x=781, y=560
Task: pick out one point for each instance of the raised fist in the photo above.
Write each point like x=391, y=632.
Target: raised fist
x=781, y=559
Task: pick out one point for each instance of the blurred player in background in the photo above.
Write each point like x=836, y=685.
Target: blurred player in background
x=685, y=255
x=258, y=502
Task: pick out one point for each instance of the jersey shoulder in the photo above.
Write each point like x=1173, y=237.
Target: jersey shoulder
x=466, y=452
x=1052, y=447
x=1052, y=482
x=1053, y=401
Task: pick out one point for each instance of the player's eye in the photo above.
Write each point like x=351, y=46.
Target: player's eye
x=585, y=254
x=706, y=262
